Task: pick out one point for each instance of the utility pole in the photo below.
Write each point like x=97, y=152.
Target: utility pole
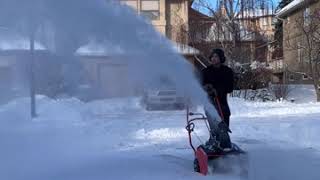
x=32, y=78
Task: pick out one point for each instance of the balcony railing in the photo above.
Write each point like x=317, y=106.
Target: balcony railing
x=277, y=65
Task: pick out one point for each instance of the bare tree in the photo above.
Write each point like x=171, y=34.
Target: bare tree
x=235, y=28
x=225, y=30
x=281, y=91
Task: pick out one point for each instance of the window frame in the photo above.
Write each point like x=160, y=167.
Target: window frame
x=123, y=2
x=305, y=77
x=291, y=77
x=145, y=12
x=307, y=16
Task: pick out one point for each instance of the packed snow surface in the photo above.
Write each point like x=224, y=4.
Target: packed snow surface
x=119, y=139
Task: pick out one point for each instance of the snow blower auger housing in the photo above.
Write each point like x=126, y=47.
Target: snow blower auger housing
x=206, y=154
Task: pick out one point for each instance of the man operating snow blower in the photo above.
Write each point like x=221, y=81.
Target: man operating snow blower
x=217, y=80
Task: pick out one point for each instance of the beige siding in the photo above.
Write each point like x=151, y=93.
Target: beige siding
x=173, y=17
x=294, y=55
x=160, y=24
x=177, y=20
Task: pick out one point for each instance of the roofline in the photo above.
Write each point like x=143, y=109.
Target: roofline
x=285, y=12
x=254, y=17
x=22, y=51
x=191, y=2
x=203, y=16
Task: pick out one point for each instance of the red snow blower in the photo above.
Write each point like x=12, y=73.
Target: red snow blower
x=207, y=156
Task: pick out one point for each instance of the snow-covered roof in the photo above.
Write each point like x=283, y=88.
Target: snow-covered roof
x=185, y=49
x=94, y=48
x=12, y=41
x=18, y=44
x=295, y=4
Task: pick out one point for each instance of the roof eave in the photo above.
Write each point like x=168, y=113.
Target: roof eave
x=285, y=11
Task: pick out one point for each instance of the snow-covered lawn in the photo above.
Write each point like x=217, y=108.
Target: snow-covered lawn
x=118, y=139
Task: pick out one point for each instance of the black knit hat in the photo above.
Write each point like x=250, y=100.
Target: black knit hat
x=220, y=53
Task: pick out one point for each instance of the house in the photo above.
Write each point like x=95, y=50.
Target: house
x=169, y=17
x=247, y=40
x=300, y=18
x=15, y=68
x=103, y=65
x=257, y=29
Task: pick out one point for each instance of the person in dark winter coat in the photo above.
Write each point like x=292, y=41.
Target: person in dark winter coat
x=217, y=80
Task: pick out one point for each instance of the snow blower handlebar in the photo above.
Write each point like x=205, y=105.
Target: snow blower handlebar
x=190, y=127
x=198, y=114
x=190, y=124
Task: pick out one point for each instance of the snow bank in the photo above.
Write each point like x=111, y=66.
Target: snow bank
x=302, y=94
x=302, y=131
x=243, y=108
x=296, y=123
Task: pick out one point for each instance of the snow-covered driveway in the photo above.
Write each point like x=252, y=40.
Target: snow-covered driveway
x=117, y=139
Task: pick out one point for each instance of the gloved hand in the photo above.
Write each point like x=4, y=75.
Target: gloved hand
x=210, y=90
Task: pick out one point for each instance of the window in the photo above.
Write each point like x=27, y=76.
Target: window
x=307, y=16
x=305, y=77
x=291, y=77
x=299, y=52
x=198, y=37
x=274, y=21
x=265, y=21
x=150, y=9
x=131, y=3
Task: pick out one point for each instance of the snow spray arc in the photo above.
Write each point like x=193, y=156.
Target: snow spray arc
x=75, y=29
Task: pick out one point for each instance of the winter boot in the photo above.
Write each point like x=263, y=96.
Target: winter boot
x=222, y=135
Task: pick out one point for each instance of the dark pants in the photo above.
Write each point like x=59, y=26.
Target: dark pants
x=224, y=107
x=227, y=120
x=220, y=134
x=212, y=122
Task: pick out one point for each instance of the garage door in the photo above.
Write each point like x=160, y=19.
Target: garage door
x=114, y=80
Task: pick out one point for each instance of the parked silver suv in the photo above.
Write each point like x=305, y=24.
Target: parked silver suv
x=163, y=99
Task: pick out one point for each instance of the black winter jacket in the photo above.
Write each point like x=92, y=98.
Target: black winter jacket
x=222, y=80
